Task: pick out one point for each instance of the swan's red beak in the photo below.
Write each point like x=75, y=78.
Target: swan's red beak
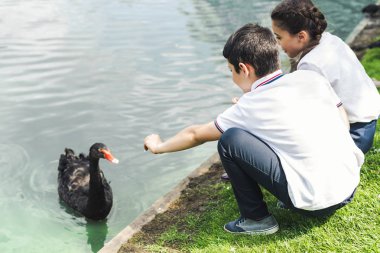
x=109, y=156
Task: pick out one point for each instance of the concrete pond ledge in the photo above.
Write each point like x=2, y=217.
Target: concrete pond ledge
x=160, y=206
x=363, y=35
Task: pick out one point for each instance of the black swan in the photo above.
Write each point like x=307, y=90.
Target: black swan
x=81, y=183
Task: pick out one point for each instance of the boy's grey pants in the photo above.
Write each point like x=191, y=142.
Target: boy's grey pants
x=249, y=162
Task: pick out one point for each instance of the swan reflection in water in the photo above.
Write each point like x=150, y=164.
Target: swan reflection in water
x=96, y=234
x=96, y=231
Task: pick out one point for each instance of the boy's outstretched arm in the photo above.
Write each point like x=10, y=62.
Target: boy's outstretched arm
x=187, y=138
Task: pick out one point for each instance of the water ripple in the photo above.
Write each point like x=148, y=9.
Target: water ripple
x=78, y=72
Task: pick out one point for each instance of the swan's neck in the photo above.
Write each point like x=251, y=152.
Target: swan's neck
x=96, y=191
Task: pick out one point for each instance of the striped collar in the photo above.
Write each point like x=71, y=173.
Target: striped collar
x=267, y=79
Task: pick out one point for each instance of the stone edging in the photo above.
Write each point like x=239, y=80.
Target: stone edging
x=363, y=34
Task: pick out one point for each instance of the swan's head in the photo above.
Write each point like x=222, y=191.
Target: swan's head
x=99, y=150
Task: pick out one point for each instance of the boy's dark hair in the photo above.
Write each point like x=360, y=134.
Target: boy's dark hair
x=254, y=45
x=294, y=16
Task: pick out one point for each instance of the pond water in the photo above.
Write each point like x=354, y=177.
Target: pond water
x=78, y=72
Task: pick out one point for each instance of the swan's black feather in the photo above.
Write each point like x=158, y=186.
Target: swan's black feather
x=74, y=189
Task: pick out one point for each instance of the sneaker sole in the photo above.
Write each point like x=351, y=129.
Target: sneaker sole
x=268, y=231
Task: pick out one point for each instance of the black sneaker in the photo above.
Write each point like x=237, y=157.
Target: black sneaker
x=265, y=226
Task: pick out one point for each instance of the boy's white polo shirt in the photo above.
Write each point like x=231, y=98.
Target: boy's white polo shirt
x=335, y=60
x=296, y=115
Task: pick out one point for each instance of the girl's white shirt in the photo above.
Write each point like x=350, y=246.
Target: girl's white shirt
x=336, y=61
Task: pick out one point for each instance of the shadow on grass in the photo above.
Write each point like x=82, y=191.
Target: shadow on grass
x=196, y=220
x=292, y=225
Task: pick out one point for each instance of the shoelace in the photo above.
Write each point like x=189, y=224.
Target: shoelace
x=240, y=220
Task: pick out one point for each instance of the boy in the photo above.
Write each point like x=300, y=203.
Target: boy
x=285, y=134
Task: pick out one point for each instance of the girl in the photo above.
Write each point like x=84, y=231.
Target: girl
x=300, y=30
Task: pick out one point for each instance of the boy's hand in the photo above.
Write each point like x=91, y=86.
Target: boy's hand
x=151, y=143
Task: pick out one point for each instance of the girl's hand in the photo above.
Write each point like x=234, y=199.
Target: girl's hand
x=151, y=143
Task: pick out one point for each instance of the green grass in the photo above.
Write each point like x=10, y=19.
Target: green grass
x=371, y=62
